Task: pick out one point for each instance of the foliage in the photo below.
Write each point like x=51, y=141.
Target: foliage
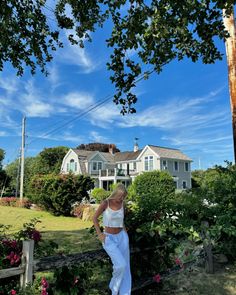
x=57, y=193
x=15, y=202
x=215, y=202
x=149, y=222
x=158, y=31
x=11, y=251
x=47, y=161
x=99, y=194
x=50, y=159
x=151, y=192
x=97, y=146
x=79, y=209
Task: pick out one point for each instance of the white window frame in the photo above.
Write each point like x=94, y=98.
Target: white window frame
x=95, y=162
x=134, y=165
x=148, y=162
x=174, y=166
x=185, y=167
x=183, y=184
x=166, y=166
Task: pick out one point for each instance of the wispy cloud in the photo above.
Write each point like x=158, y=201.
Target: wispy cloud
x=96, y=137
x=75, y=55
x=78, y=100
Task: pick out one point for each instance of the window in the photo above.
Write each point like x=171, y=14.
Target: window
x=67, y=167
x=96, y=166
x=135, y=165
x=120, y=166
x=148, y=163
x=176, y=186
x=164, y=165
x=72, y=165
x=176, y=166
x=75, y=166
x=186, y=166
x=184, y=184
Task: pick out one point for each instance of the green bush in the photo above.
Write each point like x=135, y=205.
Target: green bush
x=149, y=223
x=99, y=194
x=57, y=193
x=152, y=192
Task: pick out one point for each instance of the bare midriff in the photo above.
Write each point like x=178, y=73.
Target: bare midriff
x=113, y=230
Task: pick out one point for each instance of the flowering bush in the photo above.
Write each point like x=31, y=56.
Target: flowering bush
x=11, y=252
x=15, y=202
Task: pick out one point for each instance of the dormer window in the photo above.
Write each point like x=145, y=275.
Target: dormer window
x=96, y=166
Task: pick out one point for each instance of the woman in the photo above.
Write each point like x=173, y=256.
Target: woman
x=115, y=240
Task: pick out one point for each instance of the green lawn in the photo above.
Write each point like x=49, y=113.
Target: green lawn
x=69, y=233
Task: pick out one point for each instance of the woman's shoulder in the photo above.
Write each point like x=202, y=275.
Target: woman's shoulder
x=104, y=204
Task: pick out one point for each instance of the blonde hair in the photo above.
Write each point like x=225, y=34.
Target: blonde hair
x=119, y=188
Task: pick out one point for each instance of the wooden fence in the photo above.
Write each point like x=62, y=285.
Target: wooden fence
x=29, y=265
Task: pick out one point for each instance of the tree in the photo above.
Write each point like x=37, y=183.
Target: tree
x=97, y=146
x=159, y=31
x=50, y=159
x=3, y=175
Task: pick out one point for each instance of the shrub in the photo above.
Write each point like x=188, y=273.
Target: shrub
x=149, y=223
x=15, y=202
x=57, y=193
x=99, y=194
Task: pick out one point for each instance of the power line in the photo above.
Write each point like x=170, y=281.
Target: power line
x=91, y=108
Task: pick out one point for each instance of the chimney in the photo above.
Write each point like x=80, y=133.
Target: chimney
x=111, y=148
x=136, y=147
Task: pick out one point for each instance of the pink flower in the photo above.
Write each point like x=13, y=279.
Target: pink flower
x=35, y=235
x=44, y=283
x=13, y=292
x=75, y=280
x=178, y=261
x=157, y=278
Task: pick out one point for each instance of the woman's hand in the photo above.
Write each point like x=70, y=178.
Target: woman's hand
x=102, y=237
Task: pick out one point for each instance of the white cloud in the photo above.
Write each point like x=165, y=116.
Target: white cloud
x=78, y=100
x=96, y=137
x=3, y=133
x=75, y=55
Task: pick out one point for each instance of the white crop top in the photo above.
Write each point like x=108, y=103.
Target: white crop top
x=113, y=218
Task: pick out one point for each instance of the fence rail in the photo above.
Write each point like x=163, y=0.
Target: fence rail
x=29, y=265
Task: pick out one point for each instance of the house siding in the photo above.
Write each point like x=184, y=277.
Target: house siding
x=156, y=163
x=181, y=174
x=71, y=156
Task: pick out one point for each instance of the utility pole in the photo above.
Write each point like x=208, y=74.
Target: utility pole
x=22, y=159
x=229, y=23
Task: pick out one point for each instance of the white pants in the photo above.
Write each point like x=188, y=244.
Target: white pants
x=117, y=247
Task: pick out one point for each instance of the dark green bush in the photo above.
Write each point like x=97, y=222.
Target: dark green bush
x=57, y=193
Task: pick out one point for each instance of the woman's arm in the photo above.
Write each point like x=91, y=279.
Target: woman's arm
x=98, y=212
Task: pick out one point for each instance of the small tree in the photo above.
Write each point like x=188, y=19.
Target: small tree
x=57, y=193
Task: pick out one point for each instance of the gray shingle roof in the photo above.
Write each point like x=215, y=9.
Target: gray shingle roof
x=163, y=152
x=126, y=156
x=169, y=153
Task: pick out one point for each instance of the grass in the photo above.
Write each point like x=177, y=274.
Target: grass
x=197, y=282
x=69, y=233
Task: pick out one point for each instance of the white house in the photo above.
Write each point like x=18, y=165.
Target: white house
x=108, y=168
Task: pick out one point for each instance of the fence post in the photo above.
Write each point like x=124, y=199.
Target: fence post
x=27, y=259
x=208, y=248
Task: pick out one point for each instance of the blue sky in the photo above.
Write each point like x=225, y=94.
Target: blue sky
x=186, y=107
